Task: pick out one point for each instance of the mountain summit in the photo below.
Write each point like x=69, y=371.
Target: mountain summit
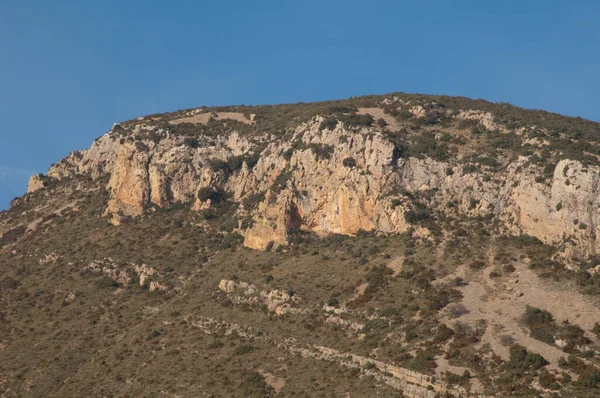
x=382, y=245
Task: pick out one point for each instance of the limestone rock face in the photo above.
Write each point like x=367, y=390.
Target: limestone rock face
x=36, y=182
x=129, y=182
x=338, y=180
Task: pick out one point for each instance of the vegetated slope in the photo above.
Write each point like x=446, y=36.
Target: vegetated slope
x=397, y=244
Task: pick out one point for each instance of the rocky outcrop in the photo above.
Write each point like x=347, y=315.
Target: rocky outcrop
x=129, y=182
x=36, y=182
x=336, y=180
x=276, y=301
x=128, y=273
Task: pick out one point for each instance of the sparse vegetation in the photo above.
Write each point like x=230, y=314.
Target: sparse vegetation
x=217, y=317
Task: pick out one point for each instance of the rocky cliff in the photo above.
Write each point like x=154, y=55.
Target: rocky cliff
x=329, y=176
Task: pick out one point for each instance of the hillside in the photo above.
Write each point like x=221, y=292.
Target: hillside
x=395, y=245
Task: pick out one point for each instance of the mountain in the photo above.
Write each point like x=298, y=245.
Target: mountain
x=395, y=245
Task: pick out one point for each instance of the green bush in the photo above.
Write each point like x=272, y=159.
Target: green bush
x=521, y=359
x=243, y=350
x=332, y=302
x=357, y=120
x=217, y=165
x=536, y=316
x=589, y=380
x=414, y=217
x=596, y=329
x=549, y=169
x=349, y=162
x=427, y=145
x=340, y=110
x=369, y=365
x=234, y=163
x=329, y=123
x=191, y=142
x=468, y=169
x=321, y=151
x=215, y=195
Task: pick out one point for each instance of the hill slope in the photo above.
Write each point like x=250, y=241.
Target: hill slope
x=426, y=244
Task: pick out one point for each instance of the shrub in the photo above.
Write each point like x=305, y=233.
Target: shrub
x=558, y=206
x=403, y=114
x=208, y=214
x=507, y=340
x=521, y=359
x=357, y=120
x=473, y=203
x=444, y=333
x=191, y=142
x=470, y=168
x=477, y=264
x=340, y=110
x=535, y=361
x=243, y=350
x=414, y=217
x=596, y=329
x=536, y=316
x=217, y=165
x=495, y=274
x=349, y=162
x=330, y=123
x=427, y=145
x=423, y=362
x=539, y=179
x=235, y=162
x=369, y=365
x=457, y=310
x=540, y=323
x=453, y=378
x=251, y=160
x=527, y=240
x=449, y=171
x=321, y=151
x=508, y=268
x=269, y=246
x=589, y=380
x=549, y=169
x=214, y=195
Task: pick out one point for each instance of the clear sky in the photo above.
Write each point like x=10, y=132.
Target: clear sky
x=70, y=69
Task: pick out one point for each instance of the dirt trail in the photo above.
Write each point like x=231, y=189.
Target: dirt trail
x=203, y=118
x=502, y=302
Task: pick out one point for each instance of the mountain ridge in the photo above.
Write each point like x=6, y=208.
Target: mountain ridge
x=399, y=244
x=147, y=133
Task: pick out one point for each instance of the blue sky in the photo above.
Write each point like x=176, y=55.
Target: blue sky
x=70, y=69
